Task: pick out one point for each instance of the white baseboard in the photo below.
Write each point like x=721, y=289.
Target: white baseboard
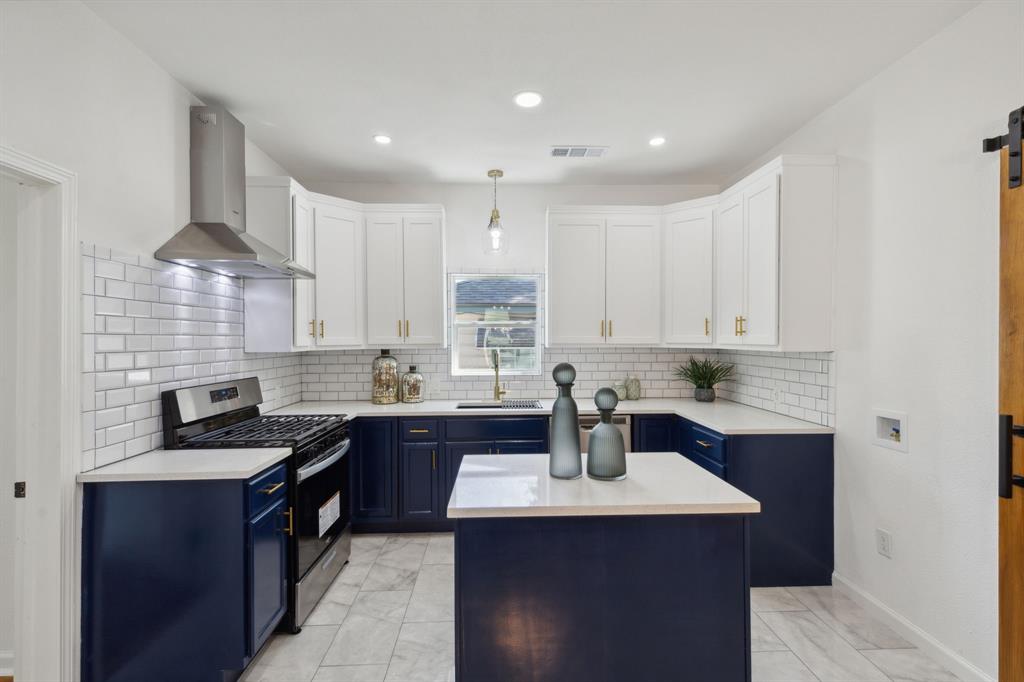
x=7, y=663
x=954, y=662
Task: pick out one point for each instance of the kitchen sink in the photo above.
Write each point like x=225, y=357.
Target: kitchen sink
x=500, y=405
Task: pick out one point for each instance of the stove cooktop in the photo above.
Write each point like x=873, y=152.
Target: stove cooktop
x=269, y=431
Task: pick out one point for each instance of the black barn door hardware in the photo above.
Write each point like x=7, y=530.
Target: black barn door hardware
x=1012, y=139
x=1007, y=431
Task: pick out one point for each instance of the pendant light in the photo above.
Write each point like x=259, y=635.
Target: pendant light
x=495, y=239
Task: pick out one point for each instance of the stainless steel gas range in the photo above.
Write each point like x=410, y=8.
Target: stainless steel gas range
x=227, y=415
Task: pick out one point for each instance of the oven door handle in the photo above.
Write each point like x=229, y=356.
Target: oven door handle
x=321, y=464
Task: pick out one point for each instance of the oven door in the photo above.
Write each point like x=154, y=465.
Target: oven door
x=322, y=511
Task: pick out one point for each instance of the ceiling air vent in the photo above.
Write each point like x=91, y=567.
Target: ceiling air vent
x=577, y=152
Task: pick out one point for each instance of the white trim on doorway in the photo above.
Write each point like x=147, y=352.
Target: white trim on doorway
x=65, y=493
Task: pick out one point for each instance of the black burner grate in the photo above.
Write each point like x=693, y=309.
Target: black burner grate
x=271, y=430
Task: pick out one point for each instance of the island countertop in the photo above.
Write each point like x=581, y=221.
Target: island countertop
x=657, y=483
x=723, y=416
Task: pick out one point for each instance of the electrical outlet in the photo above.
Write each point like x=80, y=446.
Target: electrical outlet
x=883, y=541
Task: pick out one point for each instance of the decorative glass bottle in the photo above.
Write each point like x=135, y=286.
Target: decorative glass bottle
x=565, y=460
x=619, y=386
x=412, y=386
x=633, y=387
x=385, y=379
x=606, y=451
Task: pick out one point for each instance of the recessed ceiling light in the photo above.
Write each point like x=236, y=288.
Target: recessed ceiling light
x=657, y=141
x=528, y=100
x=382, y=139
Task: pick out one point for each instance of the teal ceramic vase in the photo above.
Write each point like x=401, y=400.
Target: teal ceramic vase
x=565, y=460
x=606, y=451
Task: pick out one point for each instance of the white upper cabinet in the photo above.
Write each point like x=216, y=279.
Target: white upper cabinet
x=774, y=242
x=633, y=280
x=303, y=290
x=339, y=297
x=576, y=280
x=604, y=276
x=688, y=273
x=405, y=297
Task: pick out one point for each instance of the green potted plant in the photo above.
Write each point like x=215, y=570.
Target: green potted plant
x=704, y=375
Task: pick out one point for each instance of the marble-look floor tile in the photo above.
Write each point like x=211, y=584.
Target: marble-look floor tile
x=779, y=666
x=351, y=673
x=425, y=652
x=846, y=617
x=363, y=640
x=440, y=550
x=909, y=665
x=354, y=573
x=433, y=597
x=774, y=599
x=335, y=603
x=384, y=578
x=292, y=658
x=403, y=552
x=389, y=605
x=761, y=636
x=828, y=655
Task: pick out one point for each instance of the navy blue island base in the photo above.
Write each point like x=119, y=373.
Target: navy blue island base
x=603, y=599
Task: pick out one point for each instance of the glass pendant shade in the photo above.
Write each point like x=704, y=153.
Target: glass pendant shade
x=495, y=239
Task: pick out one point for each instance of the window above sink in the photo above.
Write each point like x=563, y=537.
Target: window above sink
x=495, y=312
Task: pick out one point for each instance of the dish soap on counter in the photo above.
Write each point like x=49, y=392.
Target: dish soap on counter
x=412, y=386
x=385, y=379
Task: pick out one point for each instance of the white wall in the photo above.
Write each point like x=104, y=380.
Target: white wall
x=523, y=212
x=78, y=94
x=8, y=364
x=916, y=323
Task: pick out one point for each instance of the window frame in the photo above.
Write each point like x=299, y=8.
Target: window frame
x=453, y=325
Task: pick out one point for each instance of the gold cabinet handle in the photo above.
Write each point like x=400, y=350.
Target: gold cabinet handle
x=419, y=430
x=312, y=328
x=736, y=326
x=704, y=444
x=488, y=451
x=602, y=329
x=321, y=329
x=407, y=329
x=610, y=332
x=433, y=459
x=707, y=327
x=399, y=329
x=290, y=514
x=743, y=325
x=270, y=490
x=497, y=451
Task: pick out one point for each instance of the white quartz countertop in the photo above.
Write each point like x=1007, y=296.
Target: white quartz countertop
x=491, y=486
x=188, y=465
x=723, y=416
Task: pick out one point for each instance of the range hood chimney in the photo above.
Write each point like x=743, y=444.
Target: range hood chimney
x=216, y=240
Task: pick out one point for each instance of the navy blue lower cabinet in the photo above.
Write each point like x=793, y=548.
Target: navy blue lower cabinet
x=419, y=481
x=453, y=454
x=181, y=580
x=374, y=470
x=654, y=433
x=520, y=447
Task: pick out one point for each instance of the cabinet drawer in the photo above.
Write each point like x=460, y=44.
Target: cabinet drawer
x=709, y=444
x=265, y=488
x=711, y=465
x=497, y=428
x=419, y=429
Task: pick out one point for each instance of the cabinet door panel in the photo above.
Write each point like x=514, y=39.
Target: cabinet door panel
x=633, y=280
x=302, y=289
x=689, y=255
x=373, y=480
x=268, y=573
x=384, y=281
x=576, y=280
x=453, y=454
x=339, y=280
x=762, y=249
x=420, y=462
x=729, y=269
x=654, y=434
x=519, y=447
x=424, y=280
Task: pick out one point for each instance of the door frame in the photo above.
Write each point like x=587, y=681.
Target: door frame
x=63, y=494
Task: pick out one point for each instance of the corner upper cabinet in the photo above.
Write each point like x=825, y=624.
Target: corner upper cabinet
x=338, y=289
x=774, y=234
x=604, y=276
x=688, y=279
x=405, y=288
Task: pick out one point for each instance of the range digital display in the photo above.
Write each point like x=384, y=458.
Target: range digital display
x=222, y=394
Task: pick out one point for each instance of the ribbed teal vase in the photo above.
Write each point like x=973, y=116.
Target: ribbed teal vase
x=565, y=460
x=606, y=451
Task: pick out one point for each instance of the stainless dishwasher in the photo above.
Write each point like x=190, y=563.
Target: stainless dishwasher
x=623, y=422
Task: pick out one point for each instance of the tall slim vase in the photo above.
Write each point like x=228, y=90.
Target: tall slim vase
x=565, y=460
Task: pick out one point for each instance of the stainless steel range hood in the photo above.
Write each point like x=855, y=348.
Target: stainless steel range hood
x=216, y=240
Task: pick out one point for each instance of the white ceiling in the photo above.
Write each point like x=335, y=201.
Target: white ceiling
x=723, y=81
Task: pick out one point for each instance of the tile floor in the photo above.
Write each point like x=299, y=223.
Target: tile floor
x=389, y=618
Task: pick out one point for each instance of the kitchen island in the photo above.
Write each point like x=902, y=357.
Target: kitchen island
x=641, y=579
